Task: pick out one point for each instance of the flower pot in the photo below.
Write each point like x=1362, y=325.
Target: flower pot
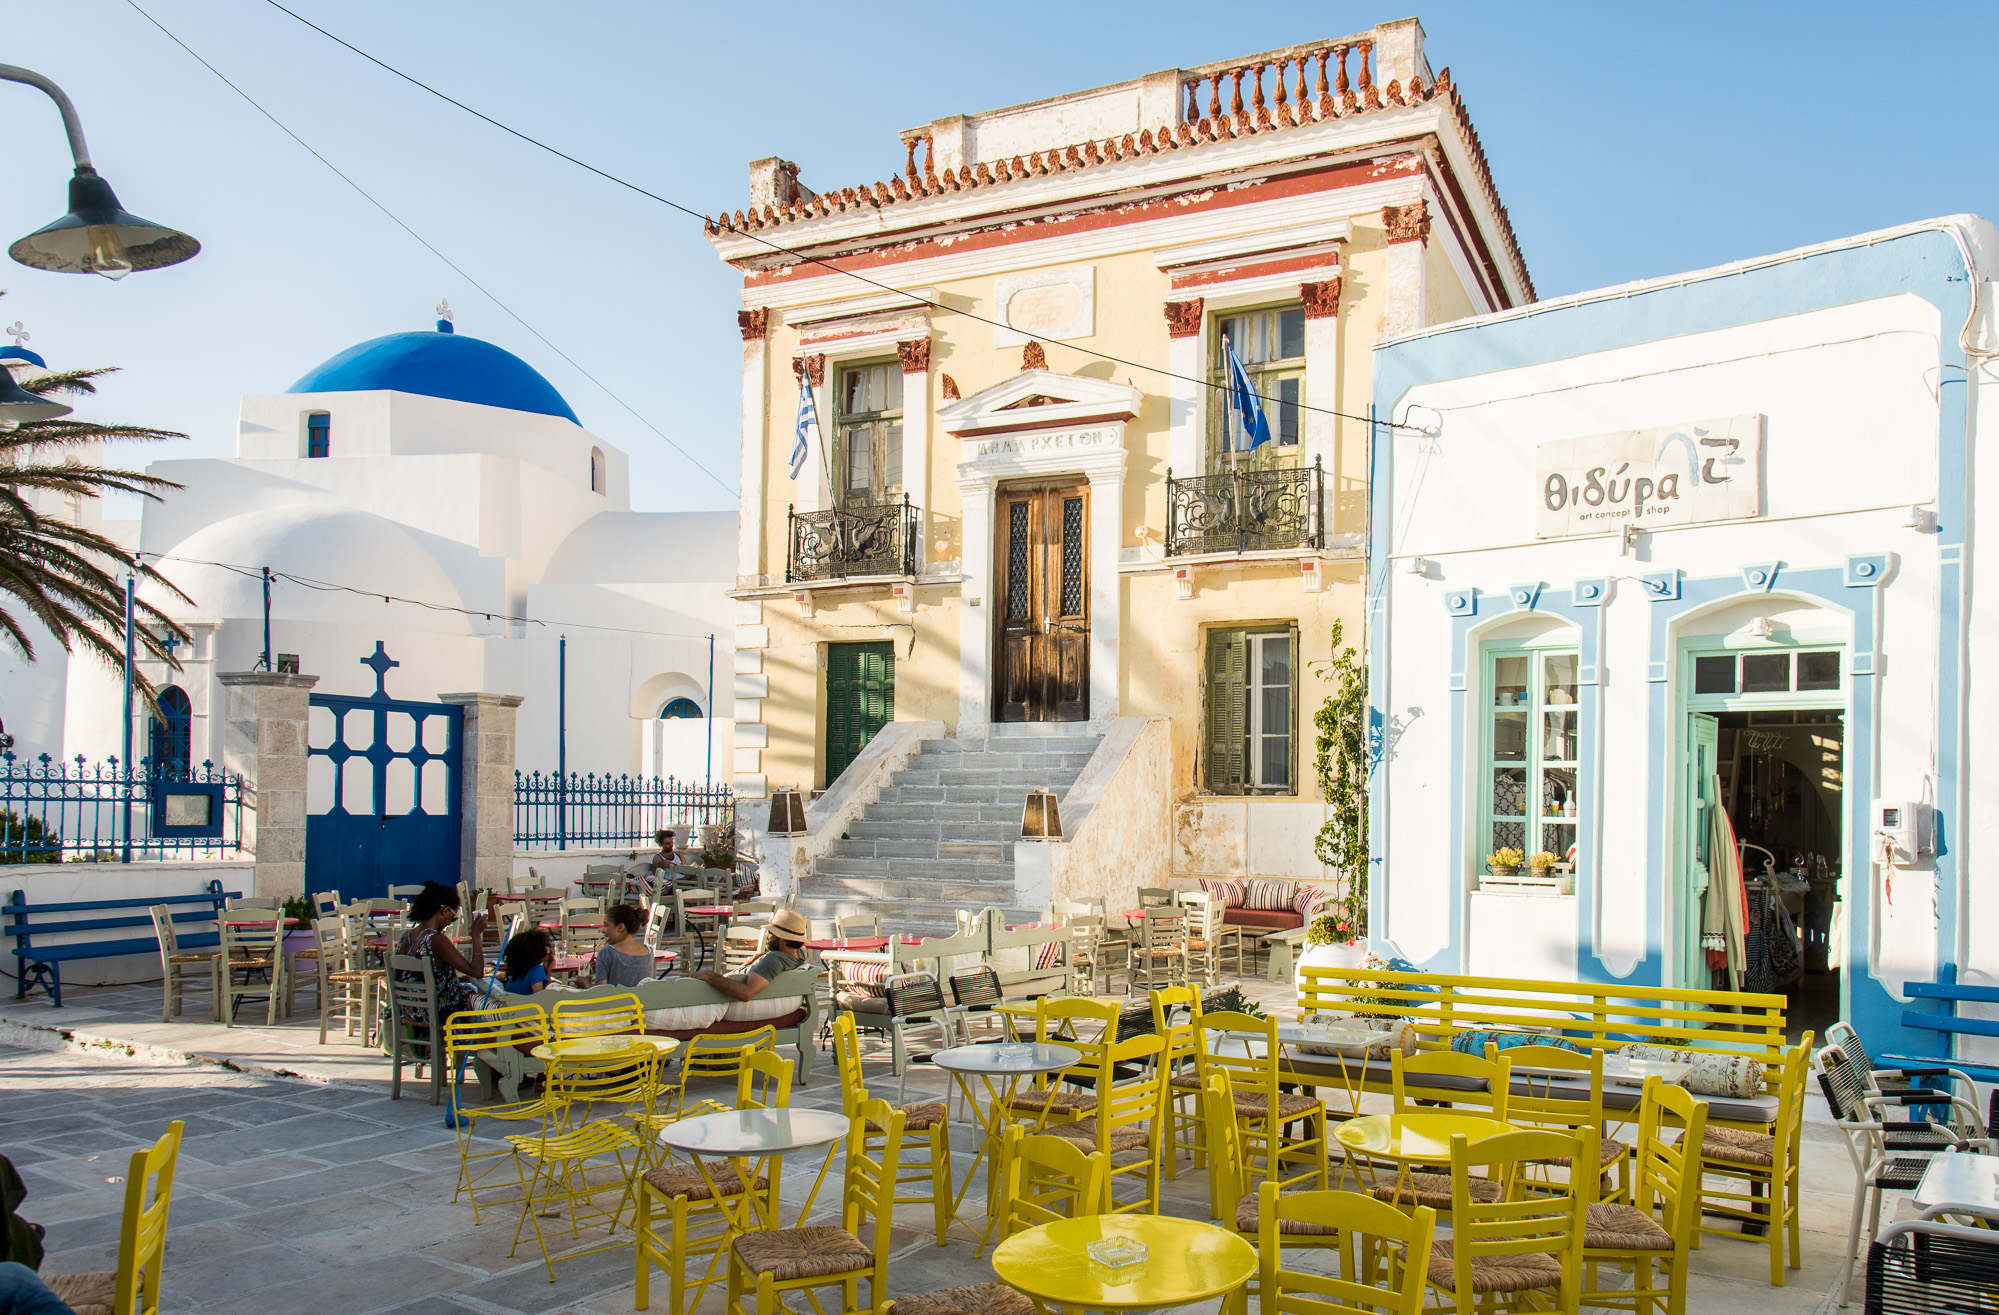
x=1502, y=870
x=1348, y=954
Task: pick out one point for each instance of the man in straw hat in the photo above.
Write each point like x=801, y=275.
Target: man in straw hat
x=784, y=946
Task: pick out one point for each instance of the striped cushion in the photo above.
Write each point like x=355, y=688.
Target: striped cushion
x=1269, y=895
x=864, y=978
x=1230, y=893
x=1301, y=903
x=1050, y=953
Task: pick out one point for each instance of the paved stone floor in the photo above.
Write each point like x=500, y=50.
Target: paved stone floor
x=316, y=1193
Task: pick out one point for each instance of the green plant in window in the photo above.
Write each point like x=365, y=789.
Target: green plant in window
x=1343, y=766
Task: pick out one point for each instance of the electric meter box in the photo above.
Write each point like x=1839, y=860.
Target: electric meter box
x=1896, y=822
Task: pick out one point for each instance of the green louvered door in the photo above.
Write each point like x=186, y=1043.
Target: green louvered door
x=860, y=700
x=1227, y=710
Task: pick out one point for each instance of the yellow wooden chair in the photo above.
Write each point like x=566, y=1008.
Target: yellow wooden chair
x=1182, y=1062
x=773, y=1261
x=556, y=1164
x=134, y=1287
x=1766, y=1166
x=1048, y=1178
x=1525, y=1247
x=1434, y=1189
x=466, y=1034
x=1124, y=1118
x=1659, y=1225
x=180, y=966
x=1569, y=1096
x=1045, y=1100
x=1384, y=1253
x=928, y=1118
x=1233, y=1197
x=1229, y=1043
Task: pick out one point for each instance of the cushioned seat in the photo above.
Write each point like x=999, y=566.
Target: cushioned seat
x=1495, y=1273
x=1614, y=1227
x=686, y=1180
x=1738, y=1147
x=1247, y=1221
x=860, y=1002
x=1034, y=987
x=1085, y=1131
x=917, y=1118
x=978, y=1299
x=1433, y=1190
x=794, y=1253
x=87, y=1294
x=1263, y=919
x=1607, y=1154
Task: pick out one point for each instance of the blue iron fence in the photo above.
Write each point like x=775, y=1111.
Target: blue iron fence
x=554, y=812
x=52, y=811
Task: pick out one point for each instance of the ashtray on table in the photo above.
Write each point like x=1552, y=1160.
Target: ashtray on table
x=1117, y=1252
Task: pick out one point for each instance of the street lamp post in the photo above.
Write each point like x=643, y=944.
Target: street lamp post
x=96, y=236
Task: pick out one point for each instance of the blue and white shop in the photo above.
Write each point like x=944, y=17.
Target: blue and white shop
x=1689, y=551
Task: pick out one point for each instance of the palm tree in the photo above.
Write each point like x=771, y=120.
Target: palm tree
x=63, y=575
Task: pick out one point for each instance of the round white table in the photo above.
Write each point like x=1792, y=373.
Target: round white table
x=749, y=1140
x=1007, y=1064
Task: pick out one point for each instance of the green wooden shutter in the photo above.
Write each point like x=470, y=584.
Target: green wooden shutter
x=1228, y=706
x=860, y=700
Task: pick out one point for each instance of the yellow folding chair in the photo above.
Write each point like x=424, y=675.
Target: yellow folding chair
x=467, y=1034
x=556, y=1164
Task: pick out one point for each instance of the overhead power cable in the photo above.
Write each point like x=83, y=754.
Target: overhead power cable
x=780, y=249
x=430, y=247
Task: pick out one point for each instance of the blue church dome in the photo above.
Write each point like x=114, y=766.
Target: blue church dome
x=441, y=364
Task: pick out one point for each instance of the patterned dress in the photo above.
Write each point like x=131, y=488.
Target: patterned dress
x=453, y=992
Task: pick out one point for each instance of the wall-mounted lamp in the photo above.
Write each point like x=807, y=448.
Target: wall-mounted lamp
x=1762, y=628
x=1920, y=518
x=787, y=814
x=1419, y=566
x=1041, y=817
x=1629, y=544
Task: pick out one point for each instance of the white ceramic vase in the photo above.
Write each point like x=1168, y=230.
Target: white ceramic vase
x=1351, y=954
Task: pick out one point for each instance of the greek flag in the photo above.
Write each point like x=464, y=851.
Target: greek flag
x=808, y=419
x=1248, y=406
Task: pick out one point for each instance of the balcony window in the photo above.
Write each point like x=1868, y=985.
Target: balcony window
x=1271, y=345
x=867, y=445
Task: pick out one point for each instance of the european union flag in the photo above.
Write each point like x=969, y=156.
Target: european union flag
x=1248, y=406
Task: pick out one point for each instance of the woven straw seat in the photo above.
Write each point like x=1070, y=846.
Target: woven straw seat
x=794, y=1253
x=917, y=1118
x=679, y=1180
x=978, y=1299
x=1434, y=1190
x=190, y=957
x=1187, y=1082
x=1737, y=1146
x=1247, y=1221
x=87, y=1294
x=1052, y=1099
x=1614, y=1227
x=1290, y=1105
x=1085, y=1131
x=1496, y=1273
x=1609, y=1151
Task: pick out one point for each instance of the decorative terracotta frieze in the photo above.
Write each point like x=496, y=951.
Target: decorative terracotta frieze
x=810, y=368
x=915, y=354
x=1407, y=223
x=753, y=323
x=1183, y=318
x=1322, y=300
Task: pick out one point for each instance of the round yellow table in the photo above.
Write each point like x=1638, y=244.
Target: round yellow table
x=1186, y=1261
x=590, y=1047
x=1424, y=1136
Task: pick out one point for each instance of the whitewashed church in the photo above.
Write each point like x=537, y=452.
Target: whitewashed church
x=447, y=474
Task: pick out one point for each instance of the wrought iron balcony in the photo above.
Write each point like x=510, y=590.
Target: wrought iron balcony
x=1246, y=510
x=867, y=540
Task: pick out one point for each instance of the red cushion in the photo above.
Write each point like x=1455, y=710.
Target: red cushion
x=729, y=1026
x=1264, y=919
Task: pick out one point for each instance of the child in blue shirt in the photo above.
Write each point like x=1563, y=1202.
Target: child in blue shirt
x=527, y=959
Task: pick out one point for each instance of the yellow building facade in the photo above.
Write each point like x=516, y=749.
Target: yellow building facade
x=1027, y=521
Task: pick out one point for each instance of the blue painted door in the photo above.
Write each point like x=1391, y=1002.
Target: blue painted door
x=382, y=791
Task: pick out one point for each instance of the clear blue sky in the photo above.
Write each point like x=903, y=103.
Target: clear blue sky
x=1628, y=141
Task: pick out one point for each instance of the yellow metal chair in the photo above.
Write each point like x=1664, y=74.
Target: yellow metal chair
x=706, y=1058
x=1765, y=1164
x=1228, y=1043
x=609, y=1015
x=1434, y=1189
x=466, y=1034
x=178, y=966
x=773, y=1261
x=928, y=1118
x=1123, y=1117
x=1384, y=1253
x=555, y=1165
x=1568, y=1097
x=1500, y=1252
x=1659, y=1225
x=134, y=1287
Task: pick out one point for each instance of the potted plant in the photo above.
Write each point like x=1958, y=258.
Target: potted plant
x=1504, y=861
x=1332, y=940
x=1545, y=864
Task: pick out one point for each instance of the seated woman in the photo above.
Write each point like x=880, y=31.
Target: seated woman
x=784, y=939
x=527, y=959
x=623, y=959
x=434, y=908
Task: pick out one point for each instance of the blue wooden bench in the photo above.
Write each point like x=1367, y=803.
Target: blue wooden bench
x=1949, y=993
x=42, y=964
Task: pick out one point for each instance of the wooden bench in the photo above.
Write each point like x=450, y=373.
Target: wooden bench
x=42, y=964
x=1949, y=993
x=1590, y=1015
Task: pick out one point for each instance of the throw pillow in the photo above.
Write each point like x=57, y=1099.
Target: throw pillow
x=1713, y=1073
x=1050, y=953
x=1269, y=895
x=1301, y=903
x=1402, y=1034
x=1473, y=1042
x=764, y=1006
x=1230, y=893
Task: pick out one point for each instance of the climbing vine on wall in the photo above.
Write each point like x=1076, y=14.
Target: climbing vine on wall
x=1342, y=766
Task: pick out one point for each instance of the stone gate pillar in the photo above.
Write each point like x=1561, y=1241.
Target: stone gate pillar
x=263, y=741
x=486, y=801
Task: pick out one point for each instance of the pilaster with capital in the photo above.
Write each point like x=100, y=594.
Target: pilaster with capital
x=264, y=742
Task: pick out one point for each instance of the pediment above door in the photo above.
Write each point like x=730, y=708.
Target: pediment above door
x=1039, y=399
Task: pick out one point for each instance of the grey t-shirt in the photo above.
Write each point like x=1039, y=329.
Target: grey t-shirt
x=770, y=965
x=621, y=969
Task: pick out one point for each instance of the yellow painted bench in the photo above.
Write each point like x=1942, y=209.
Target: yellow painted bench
x=1590, y=1015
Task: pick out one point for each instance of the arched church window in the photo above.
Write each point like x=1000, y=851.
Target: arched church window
x=596, y=470
x=318, y=434
x=678, y=708
x=171, y=744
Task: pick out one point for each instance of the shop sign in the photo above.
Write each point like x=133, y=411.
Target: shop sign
x=1708, y=470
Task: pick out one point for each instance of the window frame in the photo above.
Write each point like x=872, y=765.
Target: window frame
x=323, y=440
x=1251, y=635
x=1534, y=764
x=1218, y=438
x=877, y=423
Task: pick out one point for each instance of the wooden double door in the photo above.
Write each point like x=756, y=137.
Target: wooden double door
x=1041, y=662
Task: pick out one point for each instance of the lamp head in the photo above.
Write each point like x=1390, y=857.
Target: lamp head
x=97, y=237
x=18, y=406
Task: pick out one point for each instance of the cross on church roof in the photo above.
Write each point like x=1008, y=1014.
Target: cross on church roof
x=444, y=309
x=19, y=333
x=381, y=662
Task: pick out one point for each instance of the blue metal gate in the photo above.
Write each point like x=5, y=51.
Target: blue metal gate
x=382, y=791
